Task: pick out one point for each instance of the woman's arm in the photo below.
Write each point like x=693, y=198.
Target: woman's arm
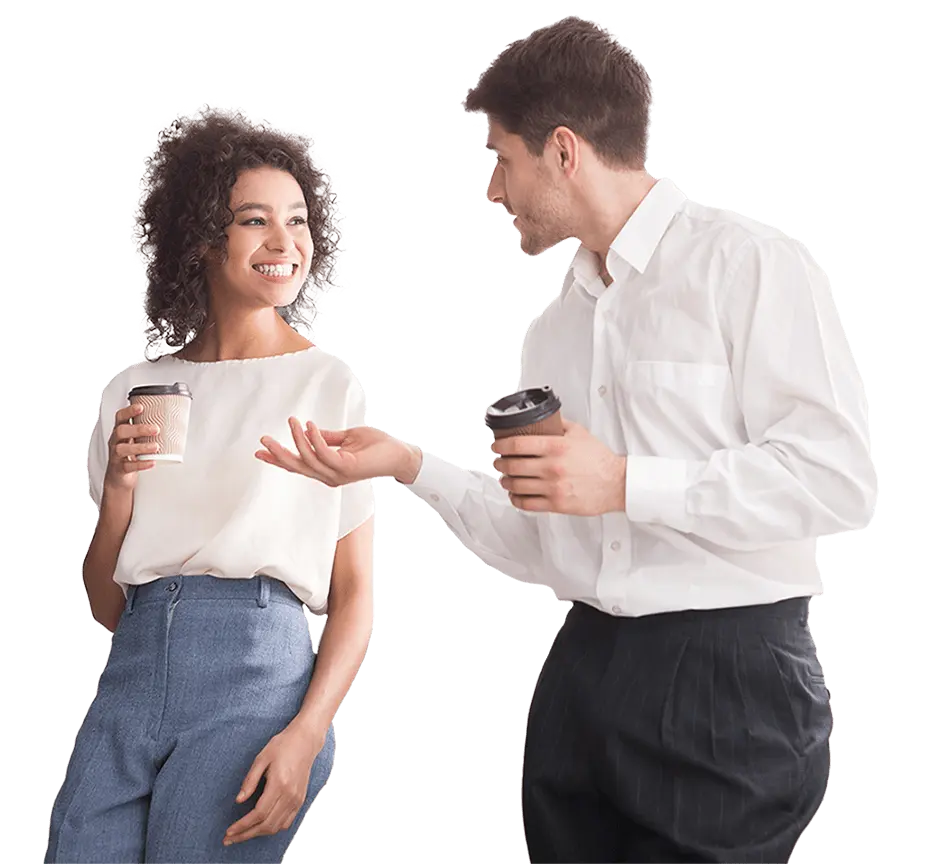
x=98, y=570
x=346, y=633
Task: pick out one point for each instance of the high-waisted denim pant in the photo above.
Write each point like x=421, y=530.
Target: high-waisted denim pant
x=202, y=673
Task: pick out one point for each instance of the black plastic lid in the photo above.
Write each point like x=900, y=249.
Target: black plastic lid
x=522, y=408
x=178, y=389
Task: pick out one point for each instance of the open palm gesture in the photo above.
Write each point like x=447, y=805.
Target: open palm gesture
x=362, y=453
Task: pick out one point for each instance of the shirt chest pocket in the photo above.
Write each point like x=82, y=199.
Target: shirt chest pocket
x=677, y=409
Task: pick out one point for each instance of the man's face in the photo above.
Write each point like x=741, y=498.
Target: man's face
x=530, y=189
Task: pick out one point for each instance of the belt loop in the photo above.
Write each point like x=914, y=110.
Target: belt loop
x=129, y=601
x=804, y=611
x=264, y=588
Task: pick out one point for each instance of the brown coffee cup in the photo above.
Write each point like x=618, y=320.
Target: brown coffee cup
x=166, y=406
x=535, y=411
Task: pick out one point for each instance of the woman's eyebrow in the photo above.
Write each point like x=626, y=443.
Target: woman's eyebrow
x=251, y=205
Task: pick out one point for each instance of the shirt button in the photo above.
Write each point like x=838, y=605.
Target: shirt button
x=434, y=497
x=602, y=389
x=617, y=610
x=615, y=545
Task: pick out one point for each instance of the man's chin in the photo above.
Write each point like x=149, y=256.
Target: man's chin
x=530, y=250
x=534, y=246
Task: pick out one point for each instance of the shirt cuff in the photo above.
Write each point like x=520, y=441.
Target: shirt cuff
x=439, y=482
x=656, y=491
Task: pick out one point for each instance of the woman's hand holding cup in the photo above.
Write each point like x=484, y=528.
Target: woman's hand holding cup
x=124, y=463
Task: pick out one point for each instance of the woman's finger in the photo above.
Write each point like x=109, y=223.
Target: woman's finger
x=123, y=451
x=129, y=467
x=257, y=821
x=128, y=430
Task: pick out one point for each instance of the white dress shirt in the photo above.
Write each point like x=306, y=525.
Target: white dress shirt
x=221, y=511
x=716, y=362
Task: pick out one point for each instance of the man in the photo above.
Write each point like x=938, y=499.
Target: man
x=716, y=426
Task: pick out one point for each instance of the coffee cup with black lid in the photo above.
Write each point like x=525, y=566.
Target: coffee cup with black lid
x=535, y=411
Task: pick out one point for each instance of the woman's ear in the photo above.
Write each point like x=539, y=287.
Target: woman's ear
x=212, y=255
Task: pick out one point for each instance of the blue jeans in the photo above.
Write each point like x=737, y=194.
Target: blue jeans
x=202, y=673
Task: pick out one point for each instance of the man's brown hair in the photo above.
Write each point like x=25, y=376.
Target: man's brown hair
x=571, y=74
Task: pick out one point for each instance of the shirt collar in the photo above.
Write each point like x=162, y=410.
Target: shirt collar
x=637, y=239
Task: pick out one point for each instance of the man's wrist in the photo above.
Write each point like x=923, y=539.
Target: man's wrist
x=410, y=464
x=618, y=500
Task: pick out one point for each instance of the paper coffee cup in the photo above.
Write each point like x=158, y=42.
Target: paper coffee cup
x=166, y=406
x=535, y=411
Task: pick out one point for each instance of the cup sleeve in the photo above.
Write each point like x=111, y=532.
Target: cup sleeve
x=357, y=499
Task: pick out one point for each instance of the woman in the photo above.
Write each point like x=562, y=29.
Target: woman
x=211, y=731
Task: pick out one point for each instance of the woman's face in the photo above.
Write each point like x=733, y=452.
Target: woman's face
x=268, y=244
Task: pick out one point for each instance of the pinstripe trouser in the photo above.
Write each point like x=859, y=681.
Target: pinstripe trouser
x=686, y=736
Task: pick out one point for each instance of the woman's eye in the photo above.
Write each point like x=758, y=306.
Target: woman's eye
x=301, y=220
x=255, y=220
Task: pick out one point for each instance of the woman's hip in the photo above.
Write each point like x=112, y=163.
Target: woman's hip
x=189, y=647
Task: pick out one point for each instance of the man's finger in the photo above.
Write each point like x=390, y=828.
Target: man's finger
x=532, y=503
x=331, y=438
x=284, y=457
x=322, y=448
x=525, y=486
x=521, y=467
x=305, y=449
x=526, y=445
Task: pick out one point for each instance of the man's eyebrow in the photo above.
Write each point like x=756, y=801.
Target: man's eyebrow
x=251, y=205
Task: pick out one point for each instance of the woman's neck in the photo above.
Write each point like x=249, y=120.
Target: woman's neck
x=243, y=339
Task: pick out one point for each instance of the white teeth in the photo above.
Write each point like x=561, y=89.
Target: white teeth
x=274, y=269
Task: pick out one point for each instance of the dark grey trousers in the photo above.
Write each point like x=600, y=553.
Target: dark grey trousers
x=686, y=736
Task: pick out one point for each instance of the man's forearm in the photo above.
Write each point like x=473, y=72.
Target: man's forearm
x=340, y=654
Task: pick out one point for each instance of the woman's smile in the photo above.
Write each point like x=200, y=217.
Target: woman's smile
x=280, y=273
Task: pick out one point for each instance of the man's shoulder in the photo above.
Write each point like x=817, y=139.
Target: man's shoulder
x=720, y=226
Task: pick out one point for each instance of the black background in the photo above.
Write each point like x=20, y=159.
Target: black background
x=773, y=118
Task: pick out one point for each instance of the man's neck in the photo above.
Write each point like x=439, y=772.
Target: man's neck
x=609, y=205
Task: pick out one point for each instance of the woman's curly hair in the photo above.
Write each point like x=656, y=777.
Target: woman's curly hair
x=185, y=211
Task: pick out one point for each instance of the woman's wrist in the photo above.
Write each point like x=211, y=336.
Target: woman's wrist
x=116, y=501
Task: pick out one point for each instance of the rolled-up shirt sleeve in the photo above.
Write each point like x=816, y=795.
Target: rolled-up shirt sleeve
x=806, y=469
